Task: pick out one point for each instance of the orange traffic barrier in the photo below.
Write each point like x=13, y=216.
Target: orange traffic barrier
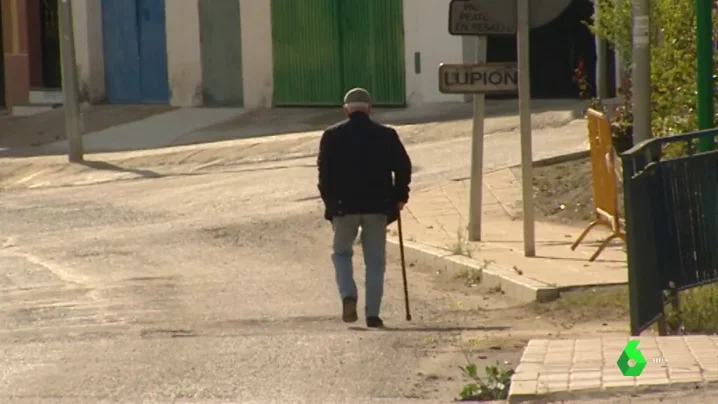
x=605, y=181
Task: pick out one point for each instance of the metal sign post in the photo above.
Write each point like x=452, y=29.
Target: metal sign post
x=527, y=174
x=641, y=77
x=481, y=18
x=477, y=153
x=470, y=18
x=477, y=79
x=70, y=88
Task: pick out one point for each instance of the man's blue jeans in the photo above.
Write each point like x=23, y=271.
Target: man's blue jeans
x=373, y=240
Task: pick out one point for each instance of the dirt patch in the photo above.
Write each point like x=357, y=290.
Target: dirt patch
x=506, y=328
x=564, y=193
x=583, y=308
x=48, y=127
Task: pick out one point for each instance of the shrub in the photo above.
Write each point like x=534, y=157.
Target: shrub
x=673, y=57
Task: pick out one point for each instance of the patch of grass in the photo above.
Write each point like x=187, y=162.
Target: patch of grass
x=497, y=289
x=589, y=304
x=471, y=277
x=697, y=312
x=615, y=298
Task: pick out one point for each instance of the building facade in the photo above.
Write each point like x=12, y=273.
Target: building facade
x=31, y=49
x=267, y=53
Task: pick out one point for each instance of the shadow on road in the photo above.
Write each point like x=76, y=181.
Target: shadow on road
x=432, y=329
x=101, y=165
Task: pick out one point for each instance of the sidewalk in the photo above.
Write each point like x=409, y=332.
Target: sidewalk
x=438, y=217
x=570, y=369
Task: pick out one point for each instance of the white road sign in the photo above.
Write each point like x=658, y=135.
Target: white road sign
x=471, y=17
x=478, y=78
x=498, y=17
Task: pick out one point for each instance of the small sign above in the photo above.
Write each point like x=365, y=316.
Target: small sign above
x=472, y=17
x=478, y=78
x=499, y=17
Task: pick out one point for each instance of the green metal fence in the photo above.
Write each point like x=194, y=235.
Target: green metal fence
x=671, y=204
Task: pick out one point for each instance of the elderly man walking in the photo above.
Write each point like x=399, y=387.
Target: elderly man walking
x=357, y=158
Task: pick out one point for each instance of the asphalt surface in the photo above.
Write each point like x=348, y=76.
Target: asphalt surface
x=209, y=280
x=209, y=286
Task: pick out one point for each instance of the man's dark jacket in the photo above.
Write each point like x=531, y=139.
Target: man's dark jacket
x=357, y=158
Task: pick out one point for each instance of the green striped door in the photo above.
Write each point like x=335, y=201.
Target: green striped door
x=372, y=41
x=324, y=47
x=306, y=52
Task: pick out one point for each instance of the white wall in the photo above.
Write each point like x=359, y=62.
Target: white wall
x=87, y=27
x=257, y=60
x=426, y=31
x=184, y=62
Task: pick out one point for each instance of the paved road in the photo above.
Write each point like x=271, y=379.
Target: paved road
x=192, y=287
x=213, y=283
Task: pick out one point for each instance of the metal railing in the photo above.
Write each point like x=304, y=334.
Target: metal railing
x=671, y=209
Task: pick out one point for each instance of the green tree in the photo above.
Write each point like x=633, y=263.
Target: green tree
x=673, y=57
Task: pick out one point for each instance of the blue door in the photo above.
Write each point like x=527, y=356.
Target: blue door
x=135, y=49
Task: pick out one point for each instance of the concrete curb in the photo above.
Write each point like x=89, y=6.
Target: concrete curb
x=562, y=158
x=605, y=393
x=514, y=286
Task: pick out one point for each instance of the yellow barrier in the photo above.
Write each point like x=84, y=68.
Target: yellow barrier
x=605, y=181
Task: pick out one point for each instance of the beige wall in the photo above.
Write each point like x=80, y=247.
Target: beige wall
x=183, y=50
x=426, y=31
x=257, y=60
x=184, y=62
x=87, y=24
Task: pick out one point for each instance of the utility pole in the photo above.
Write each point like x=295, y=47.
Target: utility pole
x=704, y=70
x=70, y=88
x=641, y=75
x=477, y=152
x=601, y=59
x=620, y=63
x=523, y=17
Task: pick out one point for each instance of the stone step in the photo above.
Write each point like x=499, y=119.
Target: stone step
x=32, y=109
x=46, y=96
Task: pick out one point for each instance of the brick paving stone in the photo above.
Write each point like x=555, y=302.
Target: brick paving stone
x=562, y=366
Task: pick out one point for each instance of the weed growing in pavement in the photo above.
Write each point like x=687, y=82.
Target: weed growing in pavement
x=493, y=386
x=496, y=289
x=472, y=276
x=461, y=245
x=458, y=247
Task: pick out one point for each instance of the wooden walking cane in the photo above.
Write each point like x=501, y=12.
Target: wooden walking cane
x=403, y=267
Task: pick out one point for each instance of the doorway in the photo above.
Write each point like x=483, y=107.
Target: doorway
x=50, y=44
x=2, y=64
x=135, y=51
x=555, y=52
x=347, y=44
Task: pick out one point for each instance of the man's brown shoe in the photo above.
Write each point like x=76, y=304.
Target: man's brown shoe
x=349, y=310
